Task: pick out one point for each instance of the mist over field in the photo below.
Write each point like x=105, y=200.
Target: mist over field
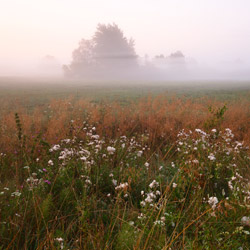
x=170, y=40
x=124, y=124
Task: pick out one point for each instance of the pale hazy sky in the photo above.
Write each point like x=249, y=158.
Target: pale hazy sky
x=207, y=30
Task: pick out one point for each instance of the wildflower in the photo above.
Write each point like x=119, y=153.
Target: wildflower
x=54, y=148
x=47, y=181
x=158, y=192
x=122, y=186
x=17, y=194
x=131, y=223
x=141, y=216
x=212, y=201
x=146, y=164
x=114, y=182
x=110, y=150
x=200, y=131
x=88, y=181
x=214, y=130
x=223, y=192
x=26, y=167
x=230, y=185
x=139, y=153
x=245, y=221
x=174, y=185
x=153, y=184
x=60, y=240
x=50, y=162
x=211, y=157
x=150, y=197
x=159, y=222
x=44, y=170
x=96, y=137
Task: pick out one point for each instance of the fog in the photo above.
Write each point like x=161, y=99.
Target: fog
x=171, y=40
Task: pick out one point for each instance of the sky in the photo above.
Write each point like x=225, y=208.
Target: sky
x=210, y=31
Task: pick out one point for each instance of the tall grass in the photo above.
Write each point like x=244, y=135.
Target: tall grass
x=162, y=116
x=159, y=173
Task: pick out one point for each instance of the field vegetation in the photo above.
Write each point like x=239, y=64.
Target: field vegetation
x=127, y=166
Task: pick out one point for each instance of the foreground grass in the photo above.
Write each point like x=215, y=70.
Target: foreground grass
x=103, y=169
x=91, y=191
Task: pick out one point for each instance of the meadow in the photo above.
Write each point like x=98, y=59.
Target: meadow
x=124, y=165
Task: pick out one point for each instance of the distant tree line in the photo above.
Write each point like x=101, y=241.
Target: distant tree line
x=110, y=55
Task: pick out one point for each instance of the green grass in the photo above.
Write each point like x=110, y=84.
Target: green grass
x=125, y=192
x=100, y=193
x=38, y=92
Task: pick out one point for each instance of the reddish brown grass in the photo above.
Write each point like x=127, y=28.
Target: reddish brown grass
x=160, y=116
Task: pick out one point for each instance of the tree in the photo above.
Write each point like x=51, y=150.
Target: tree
x=177, y=55
x=83, y=60
x=109, y=51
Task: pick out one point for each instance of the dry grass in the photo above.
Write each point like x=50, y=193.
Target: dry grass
x=161, y=116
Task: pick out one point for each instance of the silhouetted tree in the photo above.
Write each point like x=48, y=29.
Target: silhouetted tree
x=177, y=54
x=83, y=59
x=111, y=43
x=109, y=51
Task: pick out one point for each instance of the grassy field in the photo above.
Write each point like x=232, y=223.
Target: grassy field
x=124, y=165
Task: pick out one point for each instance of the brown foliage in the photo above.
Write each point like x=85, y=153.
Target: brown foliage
x=162, y=117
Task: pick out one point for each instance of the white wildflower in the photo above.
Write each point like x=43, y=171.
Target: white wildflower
x=245, y=221
x=139, y=153
x=110, y=150
x=122, y=186
x=158, y=192
x=131, y=223
x=212, y=201
x=211, y=157
x=114, y=182
x=50, y=162
x=17, y=194
x=55, y=148
x=153, y=184
x=174, y=185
